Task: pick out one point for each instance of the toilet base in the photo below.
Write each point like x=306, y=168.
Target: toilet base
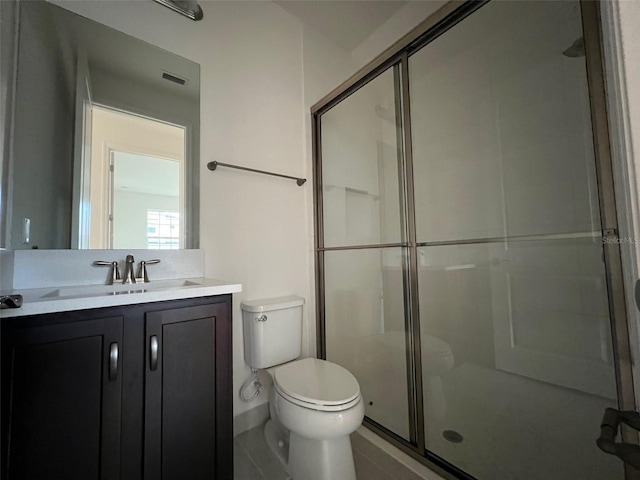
x=278, y=440
x=306, y=459
x=320, y=459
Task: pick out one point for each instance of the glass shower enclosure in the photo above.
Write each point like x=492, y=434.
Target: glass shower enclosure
x=467, y=269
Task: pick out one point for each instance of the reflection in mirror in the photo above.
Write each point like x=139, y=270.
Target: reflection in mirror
x=137, y=167
x=151, y=184
x=105, y=138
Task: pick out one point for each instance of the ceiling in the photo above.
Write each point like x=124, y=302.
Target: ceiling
x=348, y=23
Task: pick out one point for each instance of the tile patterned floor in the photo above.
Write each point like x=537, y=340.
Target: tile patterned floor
x=254, y=460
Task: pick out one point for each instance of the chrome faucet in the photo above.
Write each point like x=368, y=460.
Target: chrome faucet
x=128, y=278
x=142, y=276
x=114, y=275
x=128, y=270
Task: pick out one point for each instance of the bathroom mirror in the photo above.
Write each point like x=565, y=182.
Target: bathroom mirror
x=104, y=137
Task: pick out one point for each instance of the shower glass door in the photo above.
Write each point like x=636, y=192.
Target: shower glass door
x=463, y=274
x=364, y=248
x=517, y=357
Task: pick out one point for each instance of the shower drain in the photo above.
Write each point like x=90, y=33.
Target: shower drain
x=452, y=436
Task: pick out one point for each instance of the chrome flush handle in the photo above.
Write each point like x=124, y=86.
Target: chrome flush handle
x=261, y=318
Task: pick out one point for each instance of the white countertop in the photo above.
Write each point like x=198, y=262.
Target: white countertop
x=83, y=297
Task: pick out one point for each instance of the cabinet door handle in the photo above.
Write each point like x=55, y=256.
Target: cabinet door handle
x=113, y=361
x=154, y=352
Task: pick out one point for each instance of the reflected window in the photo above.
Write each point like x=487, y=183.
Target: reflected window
x=163, y=230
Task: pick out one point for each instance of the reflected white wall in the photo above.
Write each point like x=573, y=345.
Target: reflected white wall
x=505, y=148
x=360, y=167
x=45, y=83
x=131, y=230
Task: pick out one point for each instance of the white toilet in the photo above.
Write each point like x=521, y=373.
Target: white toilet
x=314, y=404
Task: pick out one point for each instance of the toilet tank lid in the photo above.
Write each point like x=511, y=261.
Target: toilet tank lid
x=269, y=304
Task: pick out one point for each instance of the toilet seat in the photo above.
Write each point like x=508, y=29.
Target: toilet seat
x=317, y=384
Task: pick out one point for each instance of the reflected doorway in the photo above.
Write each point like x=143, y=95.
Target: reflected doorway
x=146, y=202
x=137, y=182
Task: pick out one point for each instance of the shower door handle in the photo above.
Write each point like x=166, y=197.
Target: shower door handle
x=627, y=452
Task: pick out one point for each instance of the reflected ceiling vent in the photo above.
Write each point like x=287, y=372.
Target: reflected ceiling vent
x=174, y=78
x=188, y=8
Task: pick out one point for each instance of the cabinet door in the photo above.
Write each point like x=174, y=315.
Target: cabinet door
x=61, y=401
x=188, y=402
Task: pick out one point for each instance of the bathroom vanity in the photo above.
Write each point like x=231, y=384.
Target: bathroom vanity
x=140, y=388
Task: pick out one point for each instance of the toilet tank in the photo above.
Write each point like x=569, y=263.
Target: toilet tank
x=272, y=330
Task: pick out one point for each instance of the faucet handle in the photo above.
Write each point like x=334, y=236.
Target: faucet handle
x=142, y=275
x=115, y=272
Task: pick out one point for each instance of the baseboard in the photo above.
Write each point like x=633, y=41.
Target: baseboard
x=250, y=419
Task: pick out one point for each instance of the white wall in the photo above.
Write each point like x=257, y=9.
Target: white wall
x=253, y=227
x=393, y=29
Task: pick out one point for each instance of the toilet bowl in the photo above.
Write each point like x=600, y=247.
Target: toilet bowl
x=315, y=405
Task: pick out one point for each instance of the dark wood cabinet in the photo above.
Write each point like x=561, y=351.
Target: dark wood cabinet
x=133, y=392
x=62, y=386
x=182, y=373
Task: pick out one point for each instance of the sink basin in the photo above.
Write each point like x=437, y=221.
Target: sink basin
x=119, y=289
